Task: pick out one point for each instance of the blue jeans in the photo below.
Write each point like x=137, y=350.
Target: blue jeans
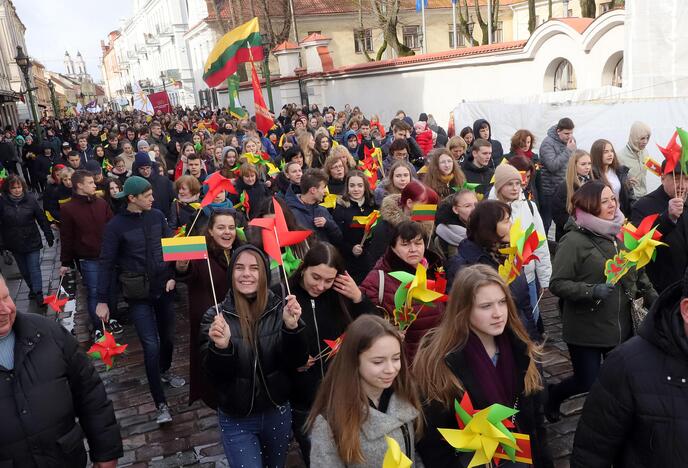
x=89, y=275
x=154, y=322
x=533, y=292
x=259, y=440
x=29, y=264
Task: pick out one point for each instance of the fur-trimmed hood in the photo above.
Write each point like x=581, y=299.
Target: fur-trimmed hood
x=390, y=211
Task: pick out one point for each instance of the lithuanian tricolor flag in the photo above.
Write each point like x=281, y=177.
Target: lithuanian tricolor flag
x=184, y=248
x=241, y=44
x=422, y=212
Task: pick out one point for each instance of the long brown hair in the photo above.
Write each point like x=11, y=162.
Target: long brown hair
x=341, y=399
x=433, y=178
x=436, y=382
x=248, y=309
x=596, y=154
x=572, y=182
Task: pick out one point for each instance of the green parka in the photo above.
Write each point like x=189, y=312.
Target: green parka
x=578, y=266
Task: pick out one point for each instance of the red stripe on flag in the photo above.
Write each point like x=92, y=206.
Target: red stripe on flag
x=423, y=217
x=230, y=68
x=174, y=256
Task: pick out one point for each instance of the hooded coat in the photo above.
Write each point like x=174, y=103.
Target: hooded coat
x=19, y=222
x=163, y=190
x=554, y=156
x=478, y=175
x=250, y=378
x=634, y=158
x=352, y=234
x=636, y=414
x=497, y=150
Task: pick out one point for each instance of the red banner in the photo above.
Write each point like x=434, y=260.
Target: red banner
x=161, y=102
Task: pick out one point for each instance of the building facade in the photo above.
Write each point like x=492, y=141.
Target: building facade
x=11, y=82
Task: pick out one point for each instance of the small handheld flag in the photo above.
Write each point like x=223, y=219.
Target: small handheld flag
x=184, y=248
x=423, y=212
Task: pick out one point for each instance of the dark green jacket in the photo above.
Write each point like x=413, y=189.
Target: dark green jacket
x=578, y=266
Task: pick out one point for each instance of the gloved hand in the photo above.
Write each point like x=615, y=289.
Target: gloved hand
x=602, y=291
x=50, y=242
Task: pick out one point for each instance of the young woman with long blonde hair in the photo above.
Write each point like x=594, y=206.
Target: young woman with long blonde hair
x=481, y=348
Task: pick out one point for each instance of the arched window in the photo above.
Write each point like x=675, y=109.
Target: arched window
x=564, y=76
x=617, y=77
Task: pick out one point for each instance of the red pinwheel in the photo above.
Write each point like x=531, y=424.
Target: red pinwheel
x=672, y=154
x=332, y=348
x=276, y=234
x=54, y=302
x=643, y=228
x=216, y=183
x=105, y=349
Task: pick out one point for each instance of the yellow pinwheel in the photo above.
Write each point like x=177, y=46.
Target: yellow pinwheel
x=418, y=289
x=272, y=169
x=645, y=251
x=394, y=457
x=480, y=436
x=330, y=200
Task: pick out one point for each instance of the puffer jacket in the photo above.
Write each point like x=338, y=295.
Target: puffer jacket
x=251, y=378
x=554, y=156
x=636, y=415
x=578, y=267
x=428, y=317
x=391, y=214
x=18, y=230
x=52, y=385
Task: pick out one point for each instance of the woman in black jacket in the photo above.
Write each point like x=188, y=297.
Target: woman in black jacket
x=330, y=300
x=607, y=168
x=19, y=213
x=482, y=349
x=357, y=200
x=256, y=191
x=248, y=348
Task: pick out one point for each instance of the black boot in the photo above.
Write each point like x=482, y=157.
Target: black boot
x=552, y=412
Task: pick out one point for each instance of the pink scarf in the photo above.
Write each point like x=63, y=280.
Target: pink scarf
x=600, y=226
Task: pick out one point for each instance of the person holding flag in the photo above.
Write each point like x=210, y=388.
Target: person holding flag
x=247, y=351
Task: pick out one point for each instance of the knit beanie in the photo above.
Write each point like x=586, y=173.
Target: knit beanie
x=504, y=174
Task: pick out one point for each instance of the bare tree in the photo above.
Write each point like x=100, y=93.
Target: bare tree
x=464, y=23
x=387, y=14
x=549, y=6
x=531, y=16
x=483, y=23
x=588, y=8
x=361, y=32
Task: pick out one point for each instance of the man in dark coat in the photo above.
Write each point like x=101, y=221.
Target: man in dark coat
x=307, y=210
x=46, y=384
x=555, y=151
x=483, y=129
x=636, y=413
x=163, y=190
x=672, y=222
x=477, y=168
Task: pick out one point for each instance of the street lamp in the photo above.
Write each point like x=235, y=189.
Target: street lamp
x=51, y=87
x=24, y=64
x=162, y=78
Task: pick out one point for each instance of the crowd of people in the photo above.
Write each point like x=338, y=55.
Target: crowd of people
x=111, y=186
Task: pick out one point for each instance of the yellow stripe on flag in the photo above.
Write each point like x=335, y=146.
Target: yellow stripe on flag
x=177, y=241
x=236, y=34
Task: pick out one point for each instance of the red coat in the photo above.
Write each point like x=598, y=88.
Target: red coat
x=429, y=317
x=424, y=140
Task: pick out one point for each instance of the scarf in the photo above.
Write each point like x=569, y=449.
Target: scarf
x=528, y=154
x=583, y=179
x=447, y=178
x=600, y=226
x=191, y=199
x=498, y=383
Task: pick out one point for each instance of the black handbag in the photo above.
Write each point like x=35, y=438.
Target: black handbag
x=135, y=286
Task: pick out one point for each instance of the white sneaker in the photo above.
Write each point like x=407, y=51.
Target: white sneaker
x=164, y=415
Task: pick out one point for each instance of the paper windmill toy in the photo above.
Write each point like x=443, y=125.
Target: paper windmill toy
x=372, y=159
x=683, y=136
x=216, y=183
x=640, y=244
x=672, y=153
x=521, y=250
x=54, y=302
x=394, y=457
x=413, y=288
x=289, y=261
x=485, y=433
x=332, y=348
x=367, y=223
x=244, y=202
x=330, y=200
x=276, y=234
x=106, y=349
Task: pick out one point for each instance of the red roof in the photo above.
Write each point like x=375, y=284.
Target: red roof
x=315, y=37
x=579, y=24
x=286, y=45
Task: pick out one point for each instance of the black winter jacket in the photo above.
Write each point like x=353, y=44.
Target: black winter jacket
x=437, y=453
x=163, y=190
x=52, y=384
x=132, y=243
x=352, y=234
x=636, y=415
x=478, y=175
x=670, y=263
x=249, y=378
x=324, y=319
x=257, y=193
x=497, y=149
x=18, y=230
x=305, y=214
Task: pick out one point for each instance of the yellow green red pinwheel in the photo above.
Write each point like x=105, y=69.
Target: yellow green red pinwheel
x=640, y=244
x=414, y=288
x=394, y=457
x=290, y=262
x=521, y=250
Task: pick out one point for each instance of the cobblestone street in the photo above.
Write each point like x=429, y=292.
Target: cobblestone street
x=192, y=439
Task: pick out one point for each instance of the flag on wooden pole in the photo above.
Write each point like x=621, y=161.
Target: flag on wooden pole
x=240, y=45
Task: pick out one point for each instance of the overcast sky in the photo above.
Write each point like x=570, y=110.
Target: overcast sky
x=53, y=27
